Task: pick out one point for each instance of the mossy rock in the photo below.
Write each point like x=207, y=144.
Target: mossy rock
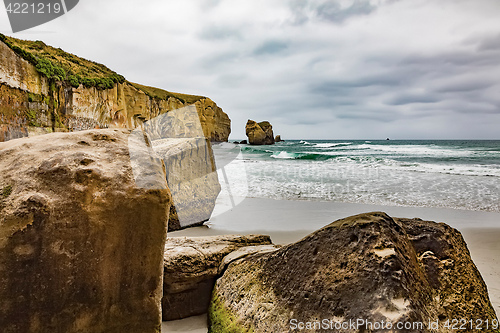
x=223, y=321
x=7, y=191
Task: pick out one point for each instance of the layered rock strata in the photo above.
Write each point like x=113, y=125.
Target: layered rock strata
x=368, y=268
x=177, y=137
x=192, y=265
x=81, y=241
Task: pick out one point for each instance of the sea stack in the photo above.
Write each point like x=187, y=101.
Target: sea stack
x=259, y=133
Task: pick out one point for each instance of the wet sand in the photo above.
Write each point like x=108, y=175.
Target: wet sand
x=289, y=221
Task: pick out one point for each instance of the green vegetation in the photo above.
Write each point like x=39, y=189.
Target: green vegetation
x=222, y=321
x=31, y=115
x=58, y=65
x=6, y=191
x=164, y=95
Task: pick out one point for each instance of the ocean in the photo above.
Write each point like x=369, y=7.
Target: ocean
x=459, y=174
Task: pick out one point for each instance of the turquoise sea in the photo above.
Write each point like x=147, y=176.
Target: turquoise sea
x=462, y=174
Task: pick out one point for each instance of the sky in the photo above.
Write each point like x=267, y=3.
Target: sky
x=316, y=69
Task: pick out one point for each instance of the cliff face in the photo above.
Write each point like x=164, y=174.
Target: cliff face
x=30, y=103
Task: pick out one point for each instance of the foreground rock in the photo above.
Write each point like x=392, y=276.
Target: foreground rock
x=368, y=267
x=192, y=265
x=81, y=244
x=259, y=133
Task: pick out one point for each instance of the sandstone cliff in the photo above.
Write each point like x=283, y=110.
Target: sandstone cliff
x=35, y=99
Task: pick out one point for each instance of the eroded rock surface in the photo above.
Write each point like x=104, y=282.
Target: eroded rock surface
x=192, y=179
x=81, y=245
x=368, y=267
x=192, y=265
x=178, y=138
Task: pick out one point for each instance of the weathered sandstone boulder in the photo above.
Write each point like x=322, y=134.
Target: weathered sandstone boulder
x=192, y=265
x=259, y=133
x=367, y=268
x=278, y=138
x=178, y=138
x=192, y=180
x=82, y=234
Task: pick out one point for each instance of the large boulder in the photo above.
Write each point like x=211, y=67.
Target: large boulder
x=259, y=133
x=82, y=232
x=364, y=269
x=192, y=265
x=178, y=138
x=192, y=179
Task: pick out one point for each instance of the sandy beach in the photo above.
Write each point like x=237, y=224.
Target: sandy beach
x=287, y=221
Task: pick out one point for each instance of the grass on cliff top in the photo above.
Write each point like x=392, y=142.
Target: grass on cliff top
x=163, y=94
x=56, y=64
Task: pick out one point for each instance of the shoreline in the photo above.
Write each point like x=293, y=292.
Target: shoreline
x=288, y=221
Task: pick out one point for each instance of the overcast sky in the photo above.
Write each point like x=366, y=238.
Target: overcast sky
x=353, y=69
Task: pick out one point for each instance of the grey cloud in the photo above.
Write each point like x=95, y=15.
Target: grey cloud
x=210, y=4
x=271, y=47
x=217, y=60
x=379, y=116
x=231, y=80
x=220, y=33
x=490, y=44
x=329, y=10
x=443, y=61
x=332, y=11
x=369, y=81
x=404, y=99
x=463, y=86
